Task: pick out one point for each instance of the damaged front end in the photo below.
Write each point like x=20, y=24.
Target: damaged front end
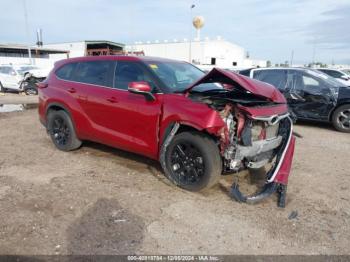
x=258, y=131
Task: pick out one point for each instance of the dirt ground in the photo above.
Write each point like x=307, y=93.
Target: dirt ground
x=100, y=200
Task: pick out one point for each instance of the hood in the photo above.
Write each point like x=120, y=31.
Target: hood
x=259, y=88
x=40, y=72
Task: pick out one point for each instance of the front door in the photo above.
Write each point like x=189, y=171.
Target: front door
x=309, y=96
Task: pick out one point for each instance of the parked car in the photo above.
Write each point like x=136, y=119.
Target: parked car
x=311, y=95
x=172, y=112
x=21, y=78
x=341, y=76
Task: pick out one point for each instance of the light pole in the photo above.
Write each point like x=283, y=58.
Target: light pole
x=190, y=48
x=27, y=31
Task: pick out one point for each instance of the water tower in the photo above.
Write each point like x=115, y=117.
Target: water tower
x=198, y=23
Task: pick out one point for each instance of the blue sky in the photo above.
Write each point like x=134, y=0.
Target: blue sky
x=268, y=29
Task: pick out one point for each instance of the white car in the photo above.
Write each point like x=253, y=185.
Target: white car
x=21, y=77
x=339, y=75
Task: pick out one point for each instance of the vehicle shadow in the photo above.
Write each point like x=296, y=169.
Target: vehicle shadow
x=310, y=123
x=128, y=158
x=106, y=228
x=135, y=162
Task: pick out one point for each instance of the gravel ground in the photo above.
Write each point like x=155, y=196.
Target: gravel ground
x=100, y=200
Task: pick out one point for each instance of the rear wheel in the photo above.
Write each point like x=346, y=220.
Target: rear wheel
x=61, y=130
x=30, y=91
x=193, y=161
x=341, y=118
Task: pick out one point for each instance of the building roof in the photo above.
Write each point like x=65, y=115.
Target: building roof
x=90, y=42
x=119, y=57
x=19, y=47
x=104, y=42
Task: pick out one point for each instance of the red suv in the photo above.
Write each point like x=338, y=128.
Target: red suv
x=197, y=125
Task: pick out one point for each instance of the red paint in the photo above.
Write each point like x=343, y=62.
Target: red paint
x=284, y=171
x=278, y=109
x=129, y=121
x=140, y=86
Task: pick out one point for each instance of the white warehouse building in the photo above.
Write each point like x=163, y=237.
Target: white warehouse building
x=204, y=53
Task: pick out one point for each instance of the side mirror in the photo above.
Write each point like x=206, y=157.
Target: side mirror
x=344, y=77
x=141, y=88
x=13, y=73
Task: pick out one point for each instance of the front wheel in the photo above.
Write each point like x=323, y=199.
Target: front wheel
x=192, y=161
x=31, y=91
x=61, y=130
x=341, y=118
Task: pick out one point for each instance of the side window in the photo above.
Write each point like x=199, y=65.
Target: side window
x=94, y=72
x=6, y=70
x=305, y=83
x=245, y=72
x=309, y=81
x=127, y=72
x=66, y=71
x=277, y=78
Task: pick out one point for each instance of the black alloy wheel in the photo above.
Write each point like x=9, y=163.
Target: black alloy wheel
x=61, y=130
x=193, y=161
x=187, y=163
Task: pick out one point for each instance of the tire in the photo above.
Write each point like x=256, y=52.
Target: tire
x=61, y=130
x=31, y=91
x=201, y=169
x=2, y=89
x=341, y=118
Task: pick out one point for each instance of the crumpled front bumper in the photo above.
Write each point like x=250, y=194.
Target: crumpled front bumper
x=277, y=176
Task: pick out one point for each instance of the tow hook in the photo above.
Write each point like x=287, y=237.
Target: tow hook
x=267, y=190
x=281, y=191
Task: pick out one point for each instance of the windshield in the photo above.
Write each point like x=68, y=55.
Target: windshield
x=346, y=71
x=177, y=76
x=326, y=78
x=21, y=70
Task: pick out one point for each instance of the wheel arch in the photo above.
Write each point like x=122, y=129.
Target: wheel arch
x=342, y=103
x=183, y=127
x=55, y=106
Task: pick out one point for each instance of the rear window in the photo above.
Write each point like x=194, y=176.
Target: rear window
x=277, y=78
x=66, y=71
x=94, y=72
x=245, y=72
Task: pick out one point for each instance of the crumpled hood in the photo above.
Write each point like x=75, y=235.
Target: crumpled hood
x=256, y=87
x=39, y=73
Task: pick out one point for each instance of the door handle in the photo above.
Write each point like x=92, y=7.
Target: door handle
x=72, y=90
x=112, y=100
